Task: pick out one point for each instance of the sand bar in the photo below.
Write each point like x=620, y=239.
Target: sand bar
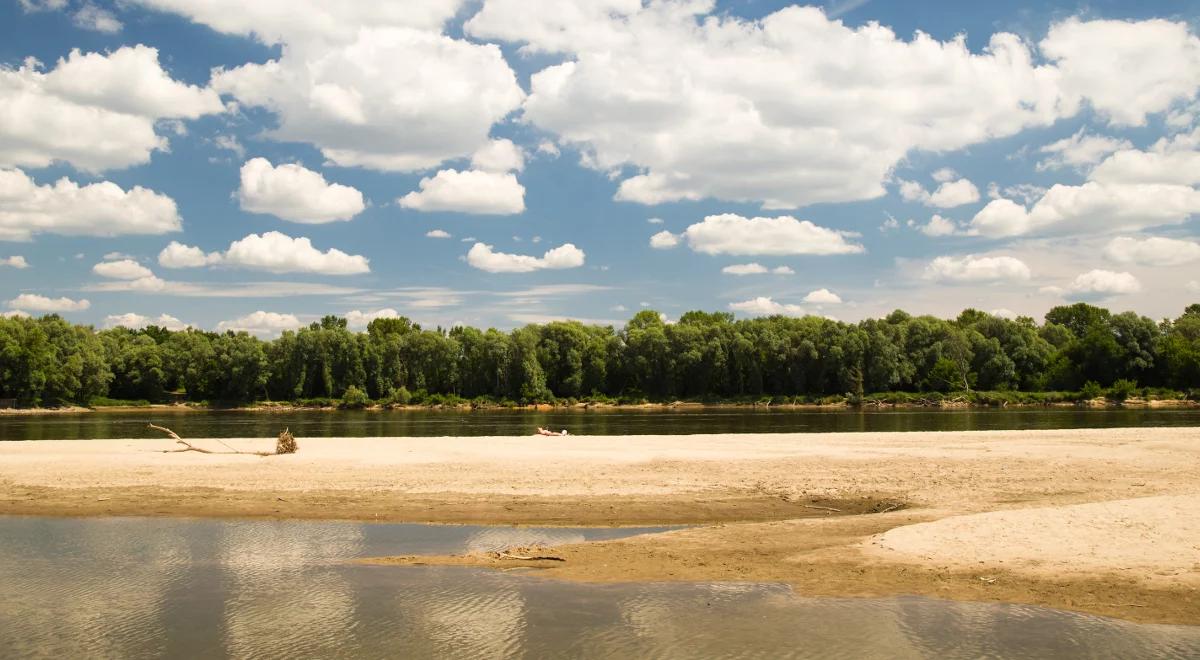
x=987, y=515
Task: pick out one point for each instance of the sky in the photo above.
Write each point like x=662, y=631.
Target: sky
x=256, y=166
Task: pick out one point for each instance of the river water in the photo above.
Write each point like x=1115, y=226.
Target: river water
x=316, y=423
x=180, y=588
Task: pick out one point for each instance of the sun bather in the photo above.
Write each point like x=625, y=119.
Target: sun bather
x=542, y=431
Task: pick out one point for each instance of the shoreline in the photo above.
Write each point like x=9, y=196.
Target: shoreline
x=991, y=502
x=870, y=406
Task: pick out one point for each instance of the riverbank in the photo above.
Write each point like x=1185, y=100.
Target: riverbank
x=869, y=405
x=765, y=502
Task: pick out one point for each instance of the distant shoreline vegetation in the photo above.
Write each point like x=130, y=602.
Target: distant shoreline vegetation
x=1079, y=353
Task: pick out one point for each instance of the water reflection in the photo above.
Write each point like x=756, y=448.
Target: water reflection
x=308, y=423
x=135, y=588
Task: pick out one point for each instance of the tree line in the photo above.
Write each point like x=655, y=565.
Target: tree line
x=703, y=356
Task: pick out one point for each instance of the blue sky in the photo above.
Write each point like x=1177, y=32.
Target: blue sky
x=842, y=164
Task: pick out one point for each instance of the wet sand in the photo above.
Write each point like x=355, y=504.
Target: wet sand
x=964, y=515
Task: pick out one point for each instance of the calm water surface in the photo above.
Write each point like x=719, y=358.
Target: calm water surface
x=178, y=588
x=309, y=423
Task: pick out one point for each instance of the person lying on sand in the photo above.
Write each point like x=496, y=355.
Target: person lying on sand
x=542, y=431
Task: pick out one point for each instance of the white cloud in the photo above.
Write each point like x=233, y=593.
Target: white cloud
x=664, y=240
x=94, y=111
x=270, y=251
x=717, y=106
x=138, y=321
x=482, y=256
x=973, y=269
x=178, y=255
x=230, y=143
x=357, y=319
x=654, y=221
x=470, y=191
x=944, y=175
x=31, y=302
x=272, y=289
x=1153, y=251
x=1098, y=283
x=939, y=226
x=784, y=235
x=499, y=156
x=765, y=306
x=14, y=314
x=783, y=270
x=1172, y=161
x=308, y=21
x=15, y=261
x=1004, y=313
x=1090, y=208
x=91, y=17
x=745, y=269
x=96, y=209
x=294, y=193
x=125, y=269
x=823, y=297
x=437, y=233
x=391, y=98
x=261, y=323
x=1126, y=70
x=948, y=195
x=1079, y=151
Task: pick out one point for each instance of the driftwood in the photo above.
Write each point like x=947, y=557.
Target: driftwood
x=822, y=508
x=187, y=446
x=505, y=555
x=286, y=444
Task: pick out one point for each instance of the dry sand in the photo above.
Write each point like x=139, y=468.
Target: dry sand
x=1105, y=521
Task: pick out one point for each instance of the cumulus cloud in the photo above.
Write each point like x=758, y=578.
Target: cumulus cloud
x=482, y=256
x=1079, y=151
x=675, y=89
x=499, y=156
x=974, y=269
x=1153, y=251
x=765, y=306
x=353, y=97
x=65, y=207
x=1169, y=161
x=745, y=269
x=94, y=111
x=125, y=269
x=1091, y=207
x=31, y=302
x=15, y=261
x=948, y=195
x=470, y=191
x=1096, y=284
x=293, y=192
x=1125, y=70
x=97, y=19
x=14, y=314
x=437, y=233
x=270, y=251
x=138, y=321
x=783, y=270
x=938, y=226
x=178, y=255
x=823, y=297
x=784, y=235
x=664, y=240
x=261, y=323
x=358, y=319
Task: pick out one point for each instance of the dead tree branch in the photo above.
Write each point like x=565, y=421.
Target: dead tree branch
x=187, y=446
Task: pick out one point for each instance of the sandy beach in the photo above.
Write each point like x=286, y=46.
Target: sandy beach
x=1103, y=521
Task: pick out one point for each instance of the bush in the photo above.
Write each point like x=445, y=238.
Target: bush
x=1122, y=389
x=354, y=398
x=399, y=396
x=1090, y=390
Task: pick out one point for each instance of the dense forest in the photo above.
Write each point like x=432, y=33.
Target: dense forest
x=1078, y=348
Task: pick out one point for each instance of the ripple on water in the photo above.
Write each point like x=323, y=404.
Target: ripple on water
x=142, y=588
